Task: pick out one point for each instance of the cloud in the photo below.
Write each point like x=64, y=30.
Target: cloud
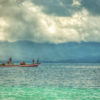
x=76, y=3
x=38, y=22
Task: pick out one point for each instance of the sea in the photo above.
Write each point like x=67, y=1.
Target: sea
x=51, y=81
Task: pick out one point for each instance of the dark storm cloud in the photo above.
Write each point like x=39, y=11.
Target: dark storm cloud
x=65, y=8
x=93, y=6
x=58, y=7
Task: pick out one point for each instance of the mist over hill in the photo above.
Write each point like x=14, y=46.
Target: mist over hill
x=48, y=52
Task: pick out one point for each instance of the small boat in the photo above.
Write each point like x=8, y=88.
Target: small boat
x=26, y=65
x=22, y=64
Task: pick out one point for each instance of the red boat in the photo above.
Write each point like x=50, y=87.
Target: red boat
x=22, y=64
x=26, y=65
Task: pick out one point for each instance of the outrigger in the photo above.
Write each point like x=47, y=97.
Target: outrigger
x=22, y=64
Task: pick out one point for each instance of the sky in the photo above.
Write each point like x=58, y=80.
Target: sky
x=53, y=21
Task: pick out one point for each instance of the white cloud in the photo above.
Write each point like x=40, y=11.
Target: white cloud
x=27, y=21
x=76, y=3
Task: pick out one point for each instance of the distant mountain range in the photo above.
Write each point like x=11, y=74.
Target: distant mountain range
x=47, y=52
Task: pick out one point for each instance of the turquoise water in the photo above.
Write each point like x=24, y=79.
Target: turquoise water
x=51, y=82
x=48, y=93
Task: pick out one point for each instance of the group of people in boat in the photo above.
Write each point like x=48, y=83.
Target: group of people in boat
x=9, y=62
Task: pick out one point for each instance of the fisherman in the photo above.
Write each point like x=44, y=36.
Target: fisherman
x=33, y=61
x=10, y=60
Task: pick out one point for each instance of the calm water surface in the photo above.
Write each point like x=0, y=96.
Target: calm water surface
x=56, y=81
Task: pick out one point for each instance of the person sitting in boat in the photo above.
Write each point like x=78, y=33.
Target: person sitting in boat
x=33, y=61
x=22, y=63
x=3, y=63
